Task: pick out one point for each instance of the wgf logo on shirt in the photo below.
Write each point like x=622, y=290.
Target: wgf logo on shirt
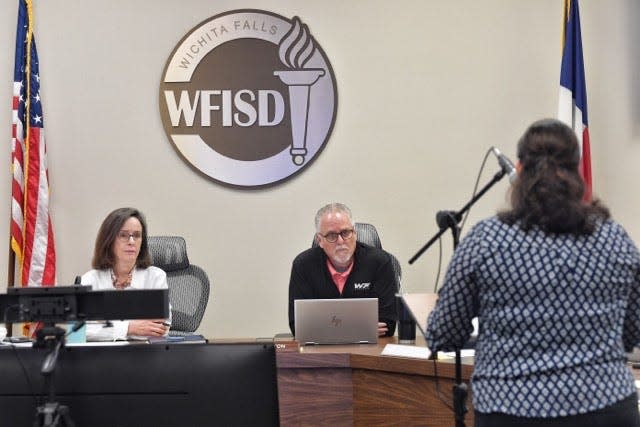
x=248, y=98
x=362, y=286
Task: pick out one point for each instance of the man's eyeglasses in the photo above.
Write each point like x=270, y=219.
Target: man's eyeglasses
x=124, y=236
x=332, y=237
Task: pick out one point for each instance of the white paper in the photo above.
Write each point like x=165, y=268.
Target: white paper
x=96, y=344
x=400, y=350
x=17, y=344
x=467, y=352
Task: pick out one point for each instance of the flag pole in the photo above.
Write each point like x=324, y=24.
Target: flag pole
x=11, y=270
x=11, y=277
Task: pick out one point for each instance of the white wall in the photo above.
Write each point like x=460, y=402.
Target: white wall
x=424, y=89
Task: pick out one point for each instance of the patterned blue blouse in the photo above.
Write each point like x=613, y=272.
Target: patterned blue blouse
x=556, y=314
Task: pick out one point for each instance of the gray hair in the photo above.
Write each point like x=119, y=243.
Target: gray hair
x=332, y=207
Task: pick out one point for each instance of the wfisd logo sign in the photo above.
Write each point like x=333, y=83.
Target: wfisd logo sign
x=248, y=98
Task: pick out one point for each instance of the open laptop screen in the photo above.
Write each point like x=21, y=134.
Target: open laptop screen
x=336, y=321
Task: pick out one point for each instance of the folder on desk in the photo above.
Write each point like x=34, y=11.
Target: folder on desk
x=178, y=339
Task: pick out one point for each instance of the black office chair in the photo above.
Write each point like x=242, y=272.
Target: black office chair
x=367, y=234
x=188, y=284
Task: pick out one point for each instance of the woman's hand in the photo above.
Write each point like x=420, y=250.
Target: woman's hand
x=148, y=328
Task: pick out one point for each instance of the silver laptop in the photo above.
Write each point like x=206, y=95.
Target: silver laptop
x=336, y=321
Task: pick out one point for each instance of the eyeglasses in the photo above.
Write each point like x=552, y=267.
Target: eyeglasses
x=125, y=236
x=332, y=237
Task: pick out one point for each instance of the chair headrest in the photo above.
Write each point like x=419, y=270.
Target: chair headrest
x=168, y=252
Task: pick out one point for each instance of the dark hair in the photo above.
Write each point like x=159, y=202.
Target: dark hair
x=549, y=190
x=103, y=252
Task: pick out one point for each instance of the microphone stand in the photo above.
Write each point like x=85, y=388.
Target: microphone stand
x=52, y=413
x=450, y=220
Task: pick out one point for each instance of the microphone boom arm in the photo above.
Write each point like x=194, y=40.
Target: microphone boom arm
x=456, y=216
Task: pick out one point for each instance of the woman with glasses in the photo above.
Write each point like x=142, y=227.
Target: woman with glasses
x=342, y=267
x=121, y=261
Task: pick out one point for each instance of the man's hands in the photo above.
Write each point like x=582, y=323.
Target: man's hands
x=382, y=328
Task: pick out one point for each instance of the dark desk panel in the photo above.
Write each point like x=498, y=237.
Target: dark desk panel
x=146, y=385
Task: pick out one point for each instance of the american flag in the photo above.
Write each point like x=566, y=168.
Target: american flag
x=572, y=104
x=31, y=231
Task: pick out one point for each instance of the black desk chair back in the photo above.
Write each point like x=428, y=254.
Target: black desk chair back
x=189, y=285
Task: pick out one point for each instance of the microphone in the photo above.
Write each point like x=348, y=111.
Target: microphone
x=505, y=164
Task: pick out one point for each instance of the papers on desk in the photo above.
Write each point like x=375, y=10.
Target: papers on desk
x=96, y=344
x=400, y=350
x=16, y=344
x=412, y=351
x=137, y=338
x=466, y=352
x=26, y=342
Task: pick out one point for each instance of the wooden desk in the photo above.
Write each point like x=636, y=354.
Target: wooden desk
x=355, y=385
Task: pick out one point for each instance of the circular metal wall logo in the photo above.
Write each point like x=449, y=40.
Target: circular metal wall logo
x=248, y=98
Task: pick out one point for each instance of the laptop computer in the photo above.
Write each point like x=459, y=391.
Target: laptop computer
x=336, y=321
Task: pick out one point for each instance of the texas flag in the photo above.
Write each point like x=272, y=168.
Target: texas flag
x=572, y=105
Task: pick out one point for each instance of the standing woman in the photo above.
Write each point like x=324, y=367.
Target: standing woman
x=555, y=284
x=121, y=261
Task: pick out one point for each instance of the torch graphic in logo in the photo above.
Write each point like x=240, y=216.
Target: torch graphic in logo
x=296, y=48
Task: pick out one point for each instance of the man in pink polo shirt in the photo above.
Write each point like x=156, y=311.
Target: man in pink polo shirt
x=342, y=267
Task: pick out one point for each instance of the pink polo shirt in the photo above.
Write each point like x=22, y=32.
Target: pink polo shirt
x=339, y=278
